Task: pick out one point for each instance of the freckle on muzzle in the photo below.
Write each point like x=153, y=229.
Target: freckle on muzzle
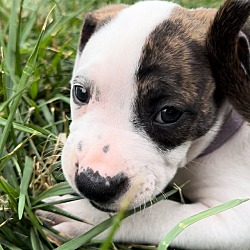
x=101, y=189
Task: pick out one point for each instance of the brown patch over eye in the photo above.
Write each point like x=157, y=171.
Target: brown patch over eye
x=174, y=72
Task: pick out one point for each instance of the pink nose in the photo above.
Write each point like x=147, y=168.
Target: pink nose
x=101, y=189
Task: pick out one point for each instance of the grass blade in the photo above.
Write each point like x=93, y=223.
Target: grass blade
x=48, y=116
x=11, y=56
x=18, y=147
x=58, y=210
x=35, y=241
x=27, y=172
x=58, y=189
x=45, y=204
x=22, y=86
x=79, y=241
x=25, y=129
x=124, y=206
x=8, y=189
x=164, y=244
x=36, y=224
x=9, y=245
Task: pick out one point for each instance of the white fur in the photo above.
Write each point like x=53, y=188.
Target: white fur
x=101, y=60
x=108, y=121
x=215, y=178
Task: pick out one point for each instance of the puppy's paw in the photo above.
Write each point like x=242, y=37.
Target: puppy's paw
x=53, y=218
x=79, y=208
x=71, y=229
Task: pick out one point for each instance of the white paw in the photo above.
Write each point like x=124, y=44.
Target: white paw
x=80, y=208
x=72, y=229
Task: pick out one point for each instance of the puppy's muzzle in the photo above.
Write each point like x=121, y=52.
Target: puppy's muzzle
x=100, y=189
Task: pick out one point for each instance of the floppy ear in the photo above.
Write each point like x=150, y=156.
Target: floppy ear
x=228, y=51
x=243, y=51
x=93, y=21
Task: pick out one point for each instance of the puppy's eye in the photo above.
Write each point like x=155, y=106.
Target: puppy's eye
x=168, y=115
x=81, y=94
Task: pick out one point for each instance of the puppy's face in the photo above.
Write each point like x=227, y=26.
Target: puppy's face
x=142, y=96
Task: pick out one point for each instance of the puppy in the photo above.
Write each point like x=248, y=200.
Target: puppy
x=161, y=94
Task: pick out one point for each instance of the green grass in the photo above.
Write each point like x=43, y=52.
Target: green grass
x=38, y=41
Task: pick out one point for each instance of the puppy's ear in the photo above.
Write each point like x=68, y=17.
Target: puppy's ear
x=243, y=50
x=93, y=21
x=229, y=53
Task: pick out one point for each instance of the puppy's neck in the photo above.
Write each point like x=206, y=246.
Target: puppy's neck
x=232, y=123
x=227, y=124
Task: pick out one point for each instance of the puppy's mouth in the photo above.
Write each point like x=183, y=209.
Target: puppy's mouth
x=103, y=192
x=103, y=207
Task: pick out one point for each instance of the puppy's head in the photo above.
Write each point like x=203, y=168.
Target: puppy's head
x=144, y=99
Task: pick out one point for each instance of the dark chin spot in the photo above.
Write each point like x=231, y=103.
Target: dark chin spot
x=103, y=209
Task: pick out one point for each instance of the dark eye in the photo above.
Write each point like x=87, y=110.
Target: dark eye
x=81, y=94
x=168, y=115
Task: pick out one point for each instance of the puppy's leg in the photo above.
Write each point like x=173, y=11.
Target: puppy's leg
x=227, y=230
x=80, y=208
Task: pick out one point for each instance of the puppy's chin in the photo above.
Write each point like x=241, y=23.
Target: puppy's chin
x=105, y=208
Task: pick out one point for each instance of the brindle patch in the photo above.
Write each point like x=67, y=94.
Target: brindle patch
x=174, y=71
x=229, y=54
